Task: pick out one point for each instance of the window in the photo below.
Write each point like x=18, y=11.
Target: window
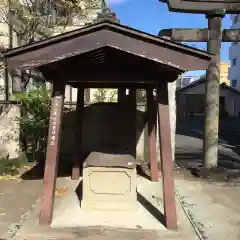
x=234, y=83
x=234, y=61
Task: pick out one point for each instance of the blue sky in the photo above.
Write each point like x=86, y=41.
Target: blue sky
x=151, y=15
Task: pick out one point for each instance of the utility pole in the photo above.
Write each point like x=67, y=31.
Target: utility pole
x=214, y=36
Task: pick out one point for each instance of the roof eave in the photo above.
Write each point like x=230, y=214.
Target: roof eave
x=113, y=26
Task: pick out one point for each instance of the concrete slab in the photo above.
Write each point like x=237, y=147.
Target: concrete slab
x=148, y=196
x=214, y=208
x=16, y=201
x=70, y=222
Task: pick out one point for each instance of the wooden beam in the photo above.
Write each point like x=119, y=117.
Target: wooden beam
x=108, y=75
x=77, y=159
x=52, y=156
x=203, y=6
x=112, y=84
x=151, y=126
x=231, y=35
x=198, y=34
x=185, y=34
x=166, y=156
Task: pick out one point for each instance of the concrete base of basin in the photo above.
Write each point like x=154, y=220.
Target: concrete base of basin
x=110, y=188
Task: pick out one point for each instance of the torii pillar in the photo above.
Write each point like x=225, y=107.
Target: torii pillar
x=214, y=36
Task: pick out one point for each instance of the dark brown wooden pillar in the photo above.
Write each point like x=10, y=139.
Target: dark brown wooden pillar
x=52, y=156
x=121, y=94
x=77, y=157
x=132, y=103
x=166, y=156
x=151, y=126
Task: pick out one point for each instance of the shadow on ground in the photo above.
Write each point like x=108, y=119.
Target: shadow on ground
x=193, y=163
x=189, y=153
x=156, y=213
x=229, y=128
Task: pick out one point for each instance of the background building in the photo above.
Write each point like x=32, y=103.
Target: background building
x=190, y=100
x=191, y=95
x=234, y=56
x=184, y=80
x=224, y=69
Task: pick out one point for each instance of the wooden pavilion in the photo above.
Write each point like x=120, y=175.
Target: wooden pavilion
x=109, y=55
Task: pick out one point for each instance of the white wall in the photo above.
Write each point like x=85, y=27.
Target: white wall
x=172, y=114
x=232, y=102
x=234, y=53
x=70, y=91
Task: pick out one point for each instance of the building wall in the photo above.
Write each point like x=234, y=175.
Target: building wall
x=224, y=67
x=234, y=56
x=232, y=99
x=4, y=43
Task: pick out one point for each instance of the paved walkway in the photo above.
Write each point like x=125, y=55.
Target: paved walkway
x=213, y=208
x=97, y=233
x=17, y=198
x=32, y=231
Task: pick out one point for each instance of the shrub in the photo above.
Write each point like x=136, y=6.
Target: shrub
x=9, y=166
x=34, y=122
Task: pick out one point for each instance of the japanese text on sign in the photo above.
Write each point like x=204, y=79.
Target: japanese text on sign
x=53, y=124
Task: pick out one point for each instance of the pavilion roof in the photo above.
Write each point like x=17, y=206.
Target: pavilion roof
x=110, y=35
